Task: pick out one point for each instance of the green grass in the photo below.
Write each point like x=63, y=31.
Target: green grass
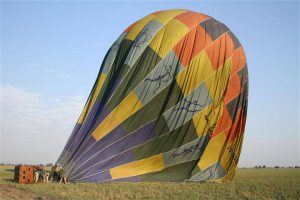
x=248, y=184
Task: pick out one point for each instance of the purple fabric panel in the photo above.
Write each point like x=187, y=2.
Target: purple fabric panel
x=96, y=178
x=138, y=137
x=79, y=153
x=105, y=176
x=104, y=113
x=97, y=114
x=96, y=111
x=82, y=141
x=73, y=135
x=126, y=157
x=67, y=150
x=75, y=143
x=61, y=155
x=84, y=154
x=84, y=144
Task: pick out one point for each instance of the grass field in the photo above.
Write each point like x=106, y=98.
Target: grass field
x=248, y=184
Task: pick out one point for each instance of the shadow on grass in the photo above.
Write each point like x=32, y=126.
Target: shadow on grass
x=10, y=170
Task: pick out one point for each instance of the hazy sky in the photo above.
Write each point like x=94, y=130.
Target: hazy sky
x=51, y=54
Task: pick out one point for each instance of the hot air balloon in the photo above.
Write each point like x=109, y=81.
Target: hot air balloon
x=169, y=104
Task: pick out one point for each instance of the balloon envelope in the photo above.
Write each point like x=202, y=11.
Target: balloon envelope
x=169, y=104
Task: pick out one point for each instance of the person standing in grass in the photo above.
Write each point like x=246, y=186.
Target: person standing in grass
x=62, y=176
x=38, y=173
x=53, y=173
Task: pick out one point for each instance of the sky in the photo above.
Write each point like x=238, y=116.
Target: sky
x=51, y=53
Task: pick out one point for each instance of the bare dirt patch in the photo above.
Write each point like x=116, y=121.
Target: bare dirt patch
x=8, y=192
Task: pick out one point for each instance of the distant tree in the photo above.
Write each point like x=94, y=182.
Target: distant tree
x=297, y=166
x=264, y=166
x=276, y=167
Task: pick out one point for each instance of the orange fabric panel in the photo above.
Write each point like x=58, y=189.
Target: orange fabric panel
x=190, y=19
x=223, y=124
x=216, y=52
x=238, y=60
x=220, y=50
x=157, y=12
x=183, y=49
x=191, y=45
x=202, y=40
x=233, y=89
x=237, y=125
x=229, y=47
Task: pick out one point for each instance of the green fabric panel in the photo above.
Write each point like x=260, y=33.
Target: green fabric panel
x=167, y=142
x=188, y=107
x=143, y=39
x=174, y=173
x=159, y=78
x=187, y=152
x=170, y=95
x=134, y=76
x=117, y=70
x=213, y=172
x=195, y=170
x=112, y=54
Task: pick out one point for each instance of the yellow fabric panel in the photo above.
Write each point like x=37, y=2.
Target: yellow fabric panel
x=197, y=71
x=157, y=40
x=93, y=98
x=125, y=109
x=212, y=151
x=165, y=16
x=226, y=157
x=227, y=164
x=229, y=175
x=230, y=157
x=144, y=166
x=138, y=27
x=217, y=83
x=168, y=37
x=207, y=119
